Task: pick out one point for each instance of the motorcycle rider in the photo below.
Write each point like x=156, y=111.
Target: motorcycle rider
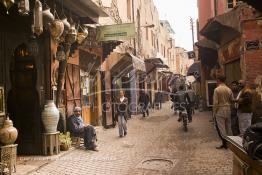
x=182, y=100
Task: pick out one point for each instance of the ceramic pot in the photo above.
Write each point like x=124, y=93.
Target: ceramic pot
x=64, y=147
x=8, y=134
x=56, y=28
x=50, y=117
x=48, y=17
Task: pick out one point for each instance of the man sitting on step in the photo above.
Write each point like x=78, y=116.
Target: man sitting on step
x=77, y=128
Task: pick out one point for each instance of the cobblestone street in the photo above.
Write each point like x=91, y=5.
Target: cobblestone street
x=154, y=145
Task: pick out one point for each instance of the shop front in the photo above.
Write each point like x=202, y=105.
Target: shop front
x=23, y=76
x=38, y=63
x=154, y=67
x=123, y=71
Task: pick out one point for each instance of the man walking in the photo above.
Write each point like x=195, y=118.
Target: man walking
x=221, y=109
x=234, y=117
x=122, y=105
x=143, y=103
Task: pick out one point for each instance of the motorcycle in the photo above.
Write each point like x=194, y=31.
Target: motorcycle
x=184, y=116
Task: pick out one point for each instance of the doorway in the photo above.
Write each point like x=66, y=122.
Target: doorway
x=23, y=102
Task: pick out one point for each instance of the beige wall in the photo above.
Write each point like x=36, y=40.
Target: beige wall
x=182, y=61
x=147, y=37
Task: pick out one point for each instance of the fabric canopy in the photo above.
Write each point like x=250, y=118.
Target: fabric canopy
x=126, y=64
x=154, y=63
x=206, y=43
x=194, y=70
x=225, y=27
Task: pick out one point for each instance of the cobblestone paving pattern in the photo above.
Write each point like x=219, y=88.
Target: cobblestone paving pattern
x=159, y=136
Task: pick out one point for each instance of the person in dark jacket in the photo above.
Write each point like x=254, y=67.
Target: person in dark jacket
x=77, y=128
x=144, y=103
x=244, y=100
x=158, y=99
x=182, y=101
x=234, y=118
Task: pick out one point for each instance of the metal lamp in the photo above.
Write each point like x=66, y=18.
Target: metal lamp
x=23, y=7
x=33, y=47
x=7, y=4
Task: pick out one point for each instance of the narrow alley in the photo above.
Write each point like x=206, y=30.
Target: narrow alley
x=154, y=145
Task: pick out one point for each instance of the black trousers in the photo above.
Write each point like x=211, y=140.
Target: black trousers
x=90, y=137
x=144, y=108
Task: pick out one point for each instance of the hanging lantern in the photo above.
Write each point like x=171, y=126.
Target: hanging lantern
x=38, y=18
x=23, y=7
x=71, y=35
x=48, y=17
x=33, y=47
x=7, y=4
x=56, y=28
x=60, y=54
x=66, y=24
x=81, y=35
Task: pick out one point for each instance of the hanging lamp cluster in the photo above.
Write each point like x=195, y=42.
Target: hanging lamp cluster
x=61, y=30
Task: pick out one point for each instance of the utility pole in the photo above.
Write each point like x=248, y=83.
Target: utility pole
x=192, y=28
x=133, y=20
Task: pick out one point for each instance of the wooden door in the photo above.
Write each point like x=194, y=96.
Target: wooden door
x=73, y=96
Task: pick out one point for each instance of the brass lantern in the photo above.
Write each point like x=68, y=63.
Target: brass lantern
x=38, y=18
x=7, y=3
x=71, y=35
x=48, y=17
x=23, y=7
x=81, y=35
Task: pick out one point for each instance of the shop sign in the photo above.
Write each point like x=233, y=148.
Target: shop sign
x=252, y=45
x=116, y=32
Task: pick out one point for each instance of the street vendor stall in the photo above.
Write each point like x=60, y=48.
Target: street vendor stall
x=242, y=163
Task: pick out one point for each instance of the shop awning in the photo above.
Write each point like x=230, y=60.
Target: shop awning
x=85, y=9
x=206, y=43
x=225, y=27
x=207, y=52
x=194, y=70
x=257, y=4
x=154, y=63
x=89, y=62
x=126, y=64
